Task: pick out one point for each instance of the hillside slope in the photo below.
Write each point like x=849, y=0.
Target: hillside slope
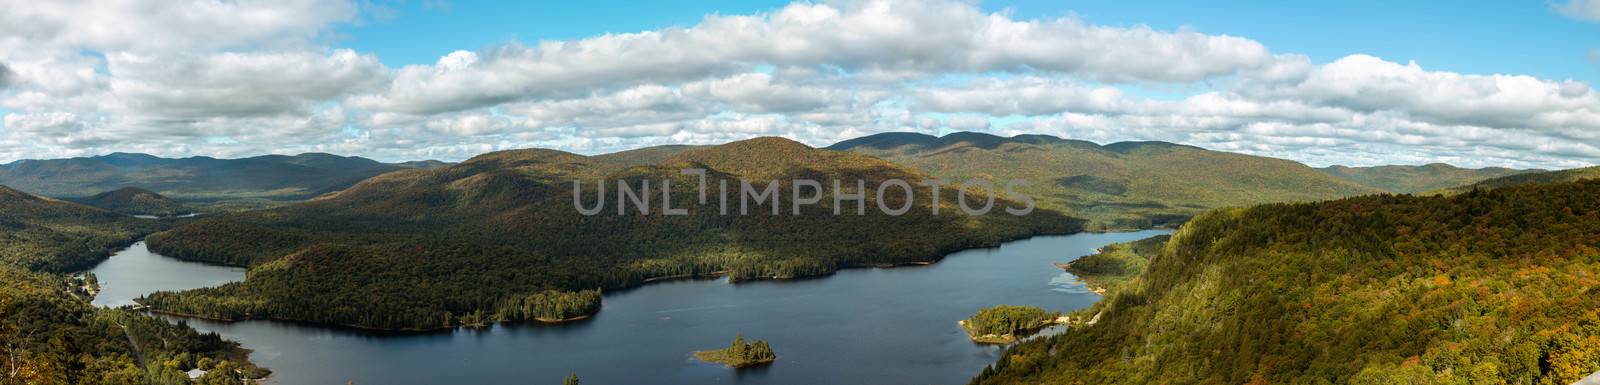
x=443, y=247
x=1416, y=179
x=43, y=234
x=197, y=178
x=1120, y=185
x=1485, y=287
x=50, y=334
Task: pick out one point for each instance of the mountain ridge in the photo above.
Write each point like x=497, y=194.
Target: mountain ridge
x=276, y=177
x=1120, y=185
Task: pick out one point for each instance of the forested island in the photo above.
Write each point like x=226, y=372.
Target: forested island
x=1488, y=286
x=1005, y=324
x=740, y=354
x=457, y=245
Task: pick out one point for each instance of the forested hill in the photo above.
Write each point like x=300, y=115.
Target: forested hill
x=1547, y=177
x=136, y=201
x=49, y=332
x=43, y=234
x=269, y=177
x=440, y=244
x=1485, y=287
x=1120, y=185
x=1416, y=179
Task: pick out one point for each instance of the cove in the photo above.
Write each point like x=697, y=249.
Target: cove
x=858, y=326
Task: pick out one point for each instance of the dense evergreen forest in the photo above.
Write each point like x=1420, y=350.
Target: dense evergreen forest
x=1127, y=185
x=740, y=353
x=420, y=249
x=1005, y=324
x=49, y=332
x=1483, y=287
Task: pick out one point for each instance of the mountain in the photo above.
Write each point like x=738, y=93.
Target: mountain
x=136, y=201
x=645, y=156
x=422, y=164
x=1115, y=186
x=196, y=178
x=498, y=238
x=1546, y=177
x=1494, y=286
x=1416, y=179
x=43, y=234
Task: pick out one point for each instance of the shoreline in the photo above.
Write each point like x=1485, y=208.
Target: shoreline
x=1007, y=339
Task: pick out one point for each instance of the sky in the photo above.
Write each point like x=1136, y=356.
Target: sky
x=1475, y=84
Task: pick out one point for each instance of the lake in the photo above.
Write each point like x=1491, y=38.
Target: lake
x=859, y=326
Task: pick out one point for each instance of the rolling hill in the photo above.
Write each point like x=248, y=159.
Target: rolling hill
x=497, y=235
x=1416, y=179
x=136, y=201
x=1493, y=286
x=1115, y=186
x=276, y=177
x=1546, y=177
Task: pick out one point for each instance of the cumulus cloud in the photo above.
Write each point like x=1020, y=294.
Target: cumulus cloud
x=236, y=78
x=162, y=25
x=1580, y=9
x=238, y=84
x=5, y=76
x=874, y=39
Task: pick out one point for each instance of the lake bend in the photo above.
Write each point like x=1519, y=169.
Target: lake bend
x=857, y=326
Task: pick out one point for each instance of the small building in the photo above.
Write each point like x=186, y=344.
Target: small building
x=196, y=374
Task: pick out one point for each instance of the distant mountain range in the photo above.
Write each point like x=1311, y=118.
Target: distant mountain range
x=1115, y=186
x=1118, y=185
x=1416, y=179
x=197, y=178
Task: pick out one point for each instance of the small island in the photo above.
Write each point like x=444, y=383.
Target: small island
x=740, y=354
x=1004, y=324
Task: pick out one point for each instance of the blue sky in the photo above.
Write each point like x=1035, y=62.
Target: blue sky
x=1471, y=83
x=1485, y=37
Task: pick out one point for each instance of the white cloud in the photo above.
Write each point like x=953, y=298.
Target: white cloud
x=234, y=78
x=1580, y=9
x=167, y=25
x=876, y=40
x=238, y=84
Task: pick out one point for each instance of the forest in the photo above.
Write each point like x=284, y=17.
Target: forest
x=43, y=234
x=1489, y=286
x=740, y=353
x=1116, y=264
x=492, y=232
x=49, y=332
